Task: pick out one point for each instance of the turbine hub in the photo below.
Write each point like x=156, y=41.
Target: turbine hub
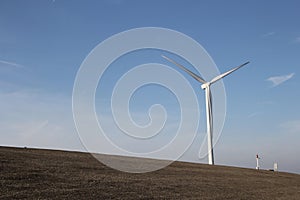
x=204, y=86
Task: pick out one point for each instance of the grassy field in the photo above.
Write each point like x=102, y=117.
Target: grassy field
x=48, y=174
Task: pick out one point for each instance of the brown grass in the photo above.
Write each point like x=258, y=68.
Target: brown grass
x=49, y=174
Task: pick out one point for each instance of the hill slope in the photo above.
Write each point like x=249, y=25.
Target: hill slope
x=49, y=174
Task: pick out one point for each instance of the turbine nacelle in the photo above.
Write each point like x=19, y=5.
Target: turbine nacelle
x=205, y=85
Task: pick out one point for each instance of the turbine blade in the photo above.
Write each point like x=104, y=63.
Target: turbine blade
x=226, y=73
x=195, y=76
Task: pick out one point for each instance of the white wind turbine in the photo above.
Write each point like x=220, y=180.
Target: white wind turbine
x=209, y=115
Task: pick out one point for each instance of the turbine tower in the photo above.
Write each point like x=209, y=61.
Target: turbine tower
x=257, y=161
x=209, y=114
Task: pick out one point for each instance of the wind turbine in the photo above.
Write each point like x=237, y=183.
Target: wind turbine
x=209, y=115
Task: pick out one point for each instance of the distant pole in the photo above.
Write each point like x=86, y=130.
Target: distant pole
x=257, y=161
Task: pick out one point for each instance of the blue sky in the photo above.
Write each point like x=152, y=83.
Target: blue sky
x=43, y=43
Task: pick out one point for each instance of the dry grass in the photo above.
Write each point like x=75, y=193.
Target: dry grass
x=48, y=174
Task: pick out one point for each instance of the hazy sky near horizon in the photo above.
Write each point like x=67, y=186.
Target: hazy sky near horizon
x=43, y=43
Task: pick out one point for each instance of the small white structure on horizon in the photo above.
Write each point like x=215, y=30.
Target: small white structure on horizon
x=275, y=167
x=257, y=162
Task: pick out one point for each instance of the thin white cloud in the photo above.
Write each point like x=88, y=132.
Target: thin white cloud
x=277, y=80
x=34, y=118
x=10, y=64
x=115, y=2
x=268, y=34
x=297, y=40
x=267, y=103
x=292, y=126
x=34, y=128
x=254, y=114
